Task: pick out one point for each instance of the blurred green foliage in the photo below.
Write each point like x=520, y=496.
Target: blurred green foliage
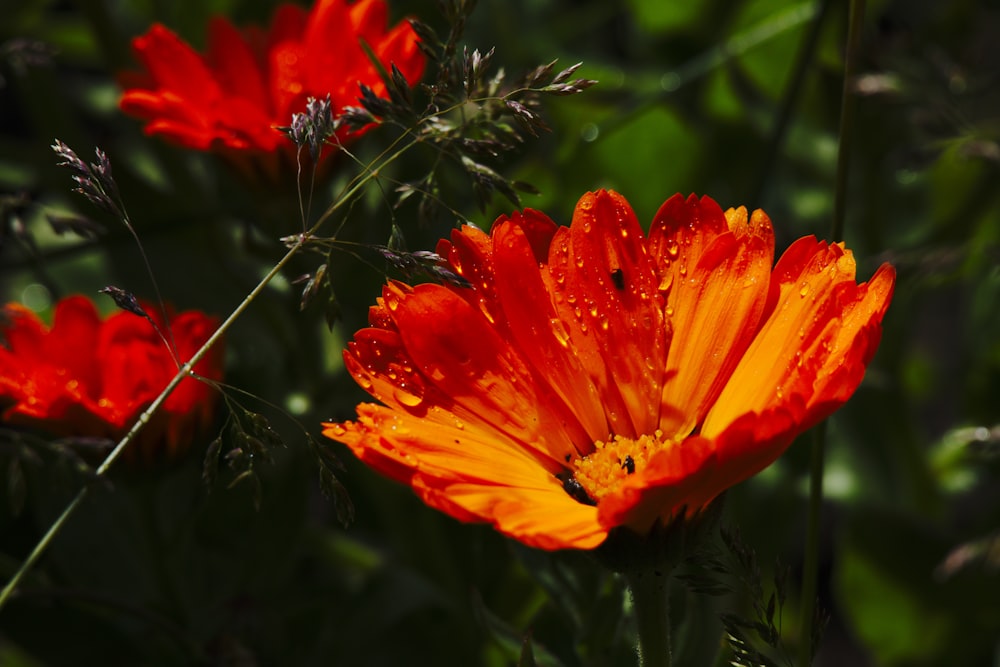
x=158, y=569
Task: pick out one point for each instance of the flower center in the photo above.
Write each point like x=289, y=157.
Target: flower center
x=602, y=471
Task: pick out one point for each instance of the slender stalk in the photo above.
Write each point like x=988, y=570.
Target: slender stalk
x=143, y=419
x=810, y=569
x=184, y=372
x=396, y=148
x=650, y=599
x=847, y=118
x=803, y=61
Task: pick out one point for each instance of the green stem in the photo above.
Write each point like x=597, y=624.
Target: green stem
x=408, y=139
x=803, y=61
x=810, y=571
x=810, y=568
x=143, y=419
x=847, y=118
x=184, y=372
x=650, y=600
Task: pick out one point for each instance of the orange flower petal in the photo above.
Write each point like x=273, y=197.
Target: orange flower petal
x=553, y=369
x=706, y=259
x=470, y=477
x=818, y=309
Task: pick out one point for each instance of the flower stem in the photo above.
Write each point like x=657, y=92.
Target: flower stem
x=803, y=62
x=857, y=18
x=810, y=571
x=183, y=372
x=143, y=419
x=650, y=600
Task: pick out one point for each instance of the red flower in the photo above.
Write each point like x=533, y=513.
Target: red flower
x=593, y=377
x=87, y=377
x=232, y=98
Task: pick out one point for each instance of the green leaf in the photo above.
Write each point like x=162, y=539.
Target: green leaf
x=889, y=584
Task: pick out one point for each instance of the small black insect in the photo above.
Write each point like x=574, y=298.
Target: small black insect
x=629, y=465
x=618, y=278
x=575, y=489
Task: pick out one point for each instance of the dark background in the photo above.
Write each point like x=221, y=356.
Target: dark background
x=156, y=568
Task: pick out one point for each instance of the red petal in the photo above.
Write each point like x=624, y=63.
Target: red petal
x=177, y=67
x=534, y=324
x=369, y=19
x=456, y=350
x=618, y=306
x=237, y=68
x=399, y=47
x=332, y=50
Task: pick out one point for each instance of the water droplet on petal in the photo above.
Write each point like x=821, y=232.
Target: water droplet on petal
x=666, y=281
x=406, y=398
x=559, y=330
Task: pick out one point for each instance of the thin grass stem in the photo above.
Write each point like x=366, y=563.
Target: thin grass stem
x=810, y=571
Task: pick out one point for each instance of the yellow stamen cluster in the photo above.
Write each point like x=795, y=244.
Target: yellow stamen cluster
x=603, y=470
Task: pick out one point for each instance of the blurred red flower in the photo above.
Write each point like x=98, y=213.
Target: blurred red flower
x=231, y=99
x=590, y=377
x=86, y=377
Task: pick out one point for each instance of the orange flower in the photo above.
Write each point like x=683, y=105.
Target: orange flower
x=232, y=99
x=593, y=377
x=92, y=378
